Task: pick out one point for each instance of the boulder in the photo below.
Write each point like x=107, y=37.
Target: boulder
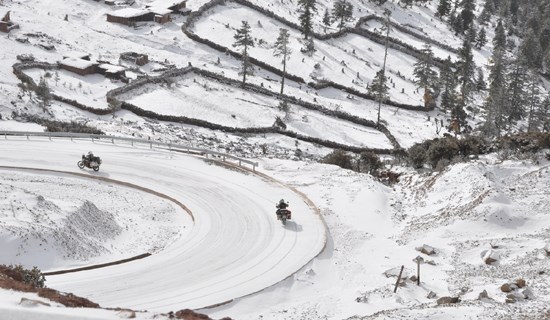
x=515, y=295
x=489, y=256
x=426, y=249
x=126, y=314
x=528, y=293
x=431, y=295
x=520, y=283
x=505, y=288
x=547, y=249
x=483, y=295
x=447, y=300
x=510, y=300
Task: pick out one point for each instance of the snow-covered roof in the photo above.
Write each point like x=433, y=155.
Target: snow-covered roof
x=159, y=10
x=164, y=3
x=76, y=54
x=111, y=67
x=128, y=13
x=77, y=63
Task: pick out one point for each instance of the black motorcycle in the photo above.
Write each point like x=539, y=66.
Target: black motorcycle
x=91, y=162
x=284, y=215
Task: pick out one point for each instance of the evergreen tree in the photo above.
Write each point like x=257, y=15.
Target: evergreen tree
x=534, y=102
x=514, y=11
x=467, y=14
x=481, y=39
x=43, y=93
x=466, y=70
x=458, y=121
x=379, y=86
x=243, y=40
x=307, y=8
x=543, y=114
x=326, y=18
x=496, y=98
x=499, y=41
x=282, y=49
x=480, y=80
x=448, y=83
x=530, y=51
x=486, y=12
x=342, y=11
x=514, y=109
x=425, y=76
x=443, y=8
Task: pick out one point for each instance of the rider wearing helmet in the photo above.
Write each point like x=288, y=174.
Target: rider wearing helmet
x=281, y=205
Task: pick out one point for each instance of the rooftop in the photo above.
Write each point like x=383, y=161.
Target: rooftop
x=77, y=63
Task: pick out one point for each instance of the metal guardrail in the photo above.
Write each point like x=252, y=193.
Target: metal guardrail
x=132, y=141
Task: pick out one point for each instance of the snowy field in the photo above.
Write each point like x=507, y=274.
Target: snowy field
x=350, y=60
x=90, y=89
x=55, y=221
x=246, y=109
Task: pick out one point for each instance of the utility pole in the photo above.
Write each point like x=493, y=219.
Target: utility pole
x=387, y=25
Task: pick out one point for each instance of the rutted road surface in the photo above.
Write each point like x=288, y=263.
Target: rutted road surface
x=235, y=246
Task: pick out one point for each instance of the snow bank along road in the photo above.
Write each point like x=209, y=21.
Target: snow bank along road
x=234, y=247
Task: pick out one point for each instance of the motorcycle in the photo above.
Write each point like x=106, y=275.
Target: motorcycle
x=284, y=215
x=89, y=162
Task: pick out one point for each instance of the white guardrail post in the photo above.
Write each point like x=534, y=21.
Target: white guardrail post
x=170, y=146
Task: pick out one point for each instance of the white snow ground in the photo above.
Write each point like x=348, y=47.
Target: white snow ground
x=235, y=246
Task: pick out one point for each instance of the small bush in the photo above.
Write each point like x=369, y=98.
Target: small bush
x=339, y=158
x=369, y=162
x=60, y=126
x=442, y=149
x=418, y=154
x=33, y=277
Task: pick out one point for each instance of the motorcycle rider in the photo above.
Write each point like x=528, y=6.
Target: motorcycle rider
x=281, y=206
x=90, y=156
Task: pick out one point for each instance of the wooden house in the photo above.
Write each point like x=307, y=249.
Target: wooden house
x=78, y=66
x=130, y=16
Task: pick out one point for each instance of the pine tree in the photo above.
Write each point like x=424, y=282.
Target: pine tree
x=467, y=14
x=243, y=40
x=481, y=39
x=480, y=80
x=534, y=102
x=448, y=82
x=466, y=70
x=515, y=107
x=282, y=49
x=499, y=41
x=425, y=76
x=530, y=51
x=342, y=11
x=379, y=87
x=496, y=98
x=43, y=93
x=458, y=117
x=307, y=8
x=443, y=8
x=326, y=18
x=543, y=114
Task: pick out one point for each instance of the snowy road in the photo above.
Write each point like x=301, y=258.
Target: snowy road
x=235, y=246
